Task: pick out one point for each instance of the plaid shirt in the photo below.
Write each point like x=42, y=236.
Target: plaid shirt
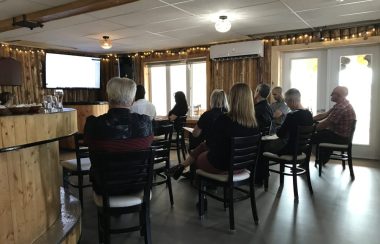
x=341, y=117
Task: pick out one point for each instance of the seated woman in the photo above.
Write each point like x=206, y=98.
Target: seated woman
x=180, y=108
x=239, y=121
x=219, y=106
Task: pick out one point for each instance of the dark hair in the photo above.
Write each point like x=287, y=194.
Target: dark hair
x=263, y=90
x=180, y=99
x=140, y=92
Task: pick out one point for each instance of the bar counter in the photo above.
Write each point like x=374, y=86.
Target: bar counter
x=30, y=198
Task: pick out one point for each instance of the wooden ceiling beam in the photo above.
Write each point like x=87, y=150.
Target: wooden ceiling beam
x=62, y=11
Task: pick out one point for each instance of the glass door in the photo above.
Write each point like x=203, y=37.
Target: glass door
x=306, y=72
x=356, y=69
x=317, y=73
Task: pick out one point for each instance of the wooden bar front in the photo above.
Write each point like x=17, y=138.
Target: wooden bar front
x=29, y=178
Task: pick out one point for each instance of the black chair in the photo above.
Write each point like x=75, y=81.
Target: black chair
x=341, y=152
x=244, y=155
x=161, y=156
x=122, y=185
x=301, y=155
x=80, y=166
x=179, y=141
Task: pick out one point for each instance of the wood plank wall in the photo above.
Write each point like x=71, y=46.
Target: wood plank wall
x=32, y=91
x=220, y=74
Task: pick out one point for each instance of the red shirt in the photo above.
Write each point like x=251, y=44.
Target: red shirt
x=341, y=117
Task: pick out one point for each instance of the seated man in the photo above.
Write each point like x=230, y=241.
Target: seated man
x=264, y=114
x=336, y=124
x=287, y=132
x=118, y=129
x=141, y=105
x=279, y=107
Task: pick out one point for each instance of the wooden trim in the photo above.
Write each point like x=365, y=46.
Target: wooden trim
x=63, y=11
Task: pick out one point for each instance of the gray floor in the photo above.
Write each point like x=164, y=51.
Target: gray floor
x=340, y=211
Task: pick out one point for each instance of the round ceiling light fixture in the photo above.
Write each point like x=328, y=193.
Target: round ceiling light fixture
x=106, y=42
x=223, y=24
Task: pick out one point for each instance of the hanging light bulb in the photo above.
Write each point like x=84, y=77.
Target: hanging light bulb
x=223, y=24
x=106, y=42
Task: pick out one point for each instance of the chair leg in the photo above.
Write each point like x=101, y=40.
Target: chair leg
x=225, y=197
x=253, y=201
x=318, y=161
x=308, y=178
x=147, y=236
x=106, y=228
x=142, y=223
x=178, y=148
x=349, y=153
x=100, y=229
x=231, y=208
x=183, y=147
x=201, y=203
x=343, y=161
x=295, y=188
x=80, y=189
x=169, y=185
x=282, y=168
x=65, y=178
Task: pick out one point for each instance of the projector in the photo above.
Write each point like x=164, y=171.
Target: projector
x=27, y=23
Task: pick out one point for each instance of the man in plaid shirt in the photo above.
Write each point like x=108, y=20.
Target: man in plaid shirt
x=336, y=124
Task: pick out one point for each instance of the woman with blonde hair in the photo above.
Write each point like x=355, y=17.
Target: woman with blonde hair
x=239, y=121
x=202, y=130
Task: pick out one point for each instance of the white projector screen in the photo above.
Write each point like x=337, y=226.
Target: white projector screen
x=69, y=71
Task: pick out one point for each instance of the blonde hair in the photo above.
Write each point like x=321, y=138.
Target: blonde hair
x=242, y=109
x=121, y=91
x=218, y=99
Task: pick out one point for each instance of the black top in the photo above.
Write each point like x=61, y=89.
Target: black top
x=220, y=141
x=178, y=110
x=288, y=130
x=264, y=114
x=119, y=129
x=207, y=120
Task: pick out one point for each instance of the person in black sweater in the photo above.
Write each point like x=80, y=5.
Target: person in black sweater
x=287, y=133
x=239, y=121
x=180, y=108
x=202, y=130
x=264, y=114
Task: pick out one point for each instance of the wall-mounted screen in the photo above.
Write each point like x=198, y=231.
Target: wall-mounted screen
x=70, y=71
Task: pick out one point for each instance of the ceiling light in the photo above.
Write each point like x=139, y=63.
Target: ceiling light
x=223, y=24
x=106, y=42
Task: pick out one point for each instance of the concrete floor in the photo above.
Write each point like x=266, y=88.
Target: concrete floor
x=340, y=211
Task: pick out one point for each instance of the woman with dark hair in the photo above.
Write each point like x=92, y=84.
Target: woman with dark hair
x=180, y=108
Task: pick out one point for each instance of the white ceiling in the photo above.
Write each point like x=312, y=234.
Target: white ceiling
x=159, y=24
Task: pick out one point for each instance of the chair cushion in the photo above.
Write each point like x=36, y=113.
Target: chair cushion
x=71, y=164
x=332, y=145
x=121, y=201
x=159, y=165
x=239, y=176
x=283, y=157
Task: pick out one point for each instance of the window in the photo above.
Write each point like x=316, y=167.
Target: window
x=166, y=79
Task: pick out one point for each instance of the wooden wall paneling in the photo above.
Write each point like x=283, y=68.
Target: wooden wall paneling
x=16, y=194
x=7, y=131
x=7, y=228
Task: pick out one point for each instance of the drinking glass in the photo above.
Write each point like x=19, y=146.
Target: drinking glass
x=58, y=93
x=48, y=103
